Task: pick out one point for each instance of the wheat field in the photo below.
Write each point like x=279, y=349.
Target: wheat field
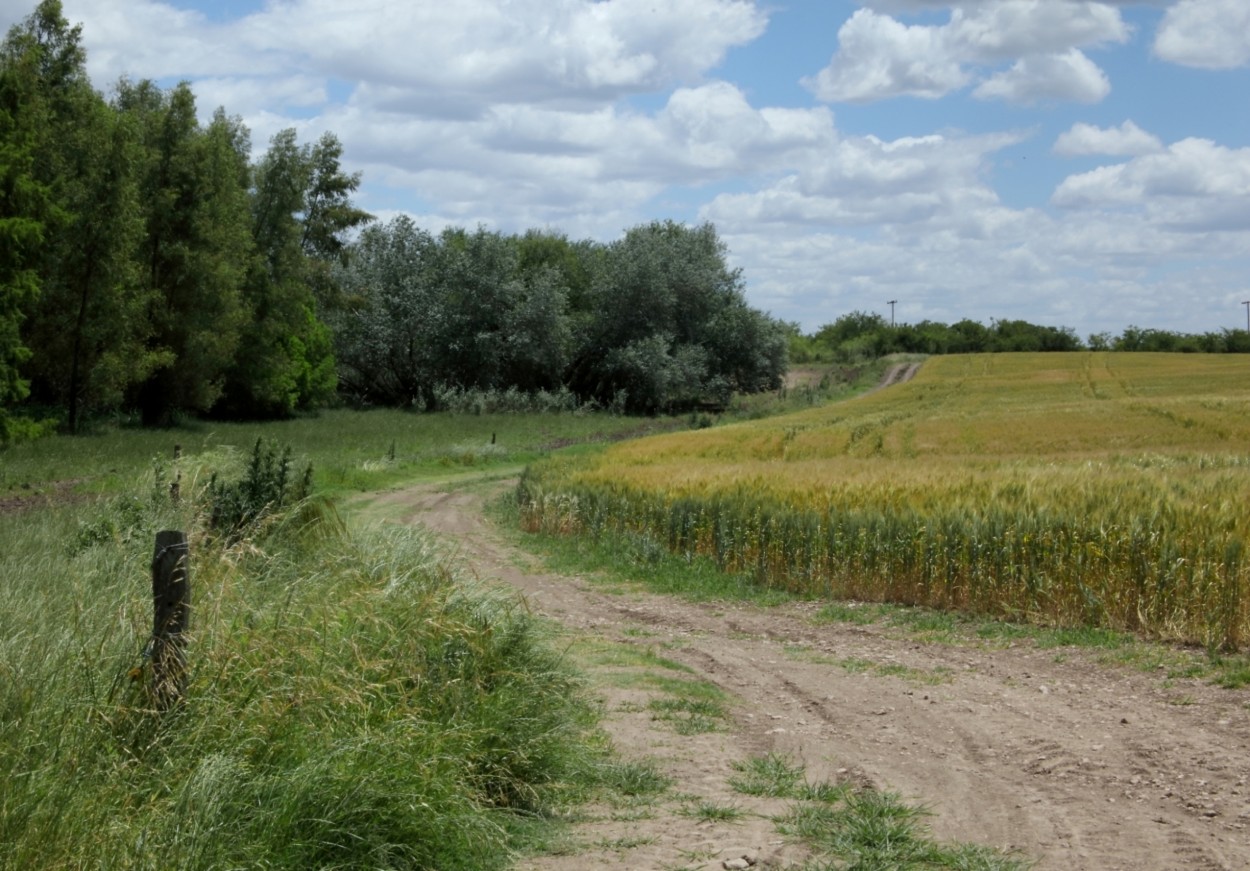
x=1100, y=489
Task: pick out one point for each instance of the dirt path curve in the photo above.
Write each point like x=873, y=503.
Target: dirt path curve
x=1078, y=765
x=899, y=373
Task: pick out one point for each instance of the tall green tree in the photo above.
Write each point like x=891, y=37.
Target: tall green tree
x=329, y=218
x=24, y=204
x=197, y=246
x=301, y=209
x=385, y=332
x=263, y=379
x=89, y=331
x=86, y=331
x=538, y=331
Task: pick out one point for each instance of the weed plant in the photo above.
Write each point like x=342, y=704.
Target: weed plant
x=234, y=507
x=350, y=702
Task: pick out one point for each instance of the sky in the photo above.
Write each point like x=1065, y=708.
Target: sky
x=1065, y=162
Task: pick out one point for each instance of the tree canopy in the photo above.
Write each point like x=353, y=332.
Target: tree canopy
x=149, y=263
x=153, y=265
x=655, y=321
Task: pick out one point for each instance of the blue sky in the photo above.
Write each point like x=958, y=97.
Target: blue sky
x=1068, y=162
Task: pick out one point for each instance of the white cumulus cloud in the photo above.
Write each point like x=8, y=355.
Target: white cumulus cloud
x=1194, y=184
x=880, y=56
x=471, y=52
x=1009, y=29
x=911, y=182
x=1213, y=34
x=1126, y=140
x=1070, y=76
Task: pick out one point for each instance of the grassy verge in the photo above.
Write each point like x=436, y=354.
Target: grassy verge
x=357, y=451
x=351, y=451
x=813, y=386
x=635, y=560
x=351, y=702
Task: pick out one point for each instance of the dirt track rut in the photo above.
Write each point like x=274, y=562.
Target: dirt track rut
x=1077, y=764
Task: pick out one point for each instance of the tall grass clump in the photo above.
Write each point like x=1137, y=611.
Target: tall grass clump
x=350, y=702
x=1066, y=494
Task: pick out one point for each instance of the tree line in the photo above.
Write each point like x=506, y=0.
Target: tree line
x=654, y=321
x=861, y=336
x=149, y=265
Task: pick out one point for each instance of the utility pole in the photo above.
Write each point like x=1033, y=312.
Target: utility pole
x=890, y=303
x=1247, y=305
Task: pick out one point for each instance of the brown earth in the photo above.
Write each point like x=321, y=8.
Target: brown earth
x=27, y=497
x=1075, y=763
x=806, y=376
x=899, y=373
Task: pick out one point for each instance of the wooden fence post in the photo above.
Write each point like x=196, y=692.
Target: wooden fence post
x=171, y=616
x=175, y=486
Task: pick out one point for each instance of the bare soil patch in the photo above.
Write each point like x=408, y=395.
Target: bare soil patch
x=899, y=373
x=54, y=493
x=1075, y=763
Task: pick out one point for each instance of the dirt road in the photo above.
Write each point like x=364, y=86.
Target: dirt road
x=1077, y=764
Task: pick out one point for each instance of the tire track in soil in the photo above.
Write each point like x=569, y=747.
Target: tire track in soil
x=1076, y=764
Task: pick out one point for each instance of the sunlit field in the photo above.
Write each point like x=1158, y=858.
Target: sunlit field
x=1069, y=489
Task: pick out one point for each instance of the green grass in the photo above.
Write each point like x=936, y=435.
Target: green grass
x=687, y=705
x=861, y=828
x=634, y=778
x=772, y=775
x=351, y=451
x=690, y=716
x=594, y=652
x=713, y=812
x=1232, y=673
x=857, y=613
x=856, y=665
x=352, y=701
x=627, y=562
x=1112, y=648
x=819, y=384
x=867, y=829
